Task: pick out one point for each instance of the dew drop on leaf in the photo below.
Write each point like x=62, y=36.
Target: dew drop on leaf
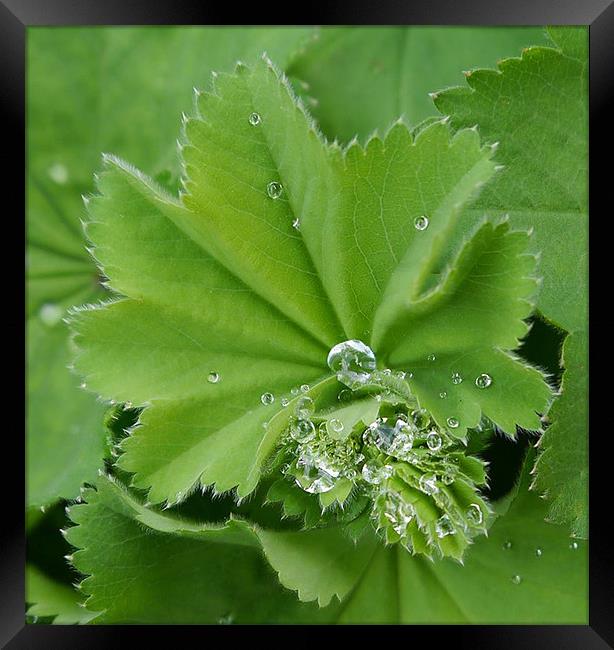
x=474, y=514
x=58, y=173
x=352, y=361
x=483, y=381
x=304, y=407
x=428, y=484
x=305, y=388
x=285, y=401
x=507, y=545
x=574, y=546
x=274, y=189
x=433, y=441
x=538, y=552
x=421, y=223
x=453, y=423
x=267, y=398
x=213, y=377
x=302, y=430
x=431, y=357
x=444, y=527
x=335, y=425
x=50, y=314
x=456, y=378
x=443, y=394
x=516, y=579
x=296, y=224
x=254, y=119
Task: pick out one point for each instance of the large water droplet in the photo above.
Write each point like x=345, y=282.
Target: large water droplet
x=421, y=223
x=353, y=362
x=444, y=526
x=456, y=378
x=50, y=314
x=453, y=423
x=318, y=476
x=474, y=514
x=483, y=381
x=213, y=377
x=304, y=407
x=254, y=119
x=274, y=189
x=302, y=430
x=516, y=579
x=267, y=398
x=395, y=440
x=434, y=441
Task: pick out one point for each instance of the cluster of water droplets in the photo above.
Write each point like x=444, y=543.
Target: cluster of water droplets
x=401, y=460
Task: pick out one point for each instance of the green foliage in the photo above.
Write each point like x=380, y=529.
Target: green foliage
x=544, y=147
x=221, y=278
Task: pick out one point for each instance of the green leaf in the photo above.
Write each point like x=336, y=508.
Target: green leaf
x=223, y=298
x=362, y=78
x=48, y=597
x=81, y=101
x=536, y=108
x=387, y=585
x=144, y=567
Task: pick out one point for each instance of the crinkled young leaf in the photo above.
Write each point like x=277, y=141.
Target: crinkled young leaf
x=362, y=78
x=224, y=300
x=536, y=108
x=391, y=586
x=144, y=567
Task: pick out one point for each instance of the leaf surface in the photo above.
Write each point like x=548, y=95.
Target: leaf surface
x=363, y=78
x=224, y=302
x=536, y=107
x=144, y=567
x=391, y=586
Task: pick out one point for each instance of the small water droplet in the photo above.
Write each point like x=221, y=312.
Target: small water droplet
x=344, y=395
x=431, y=357
x=83, y=385
x=374, y=474
x=304, y=407
x=353, y=362
x=456, y=378
x=302, y=430
x=428, y=484
x=295, y=391
x=474, y=514
x=267, y=398
x=274, y=189
x=213, y=377
x=444, y=527
x=50, y=314
x=285, y=401
x=448, y=478
x=574, y=546
x=433, y=441
x=443, y=394
x=483, y=381
x=335, y=425
x=453, y=423
x=296, y=224
x=516, y=579
x=305, y=388
x=58, y=173
x=421, y=223
x=507, y=544
x=226, y=619
x=538, y=552
x=254, y=119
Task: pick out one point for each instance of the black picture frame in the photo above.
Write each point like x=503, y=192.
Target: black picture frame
x=17, y=15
